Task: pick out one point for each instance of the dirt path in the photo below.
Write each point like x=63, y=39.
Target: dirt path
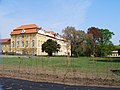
x=17, y=84
x=11, y=56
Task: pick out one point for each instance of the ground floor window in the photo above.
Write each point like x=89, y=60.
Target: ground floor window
x=33, y=52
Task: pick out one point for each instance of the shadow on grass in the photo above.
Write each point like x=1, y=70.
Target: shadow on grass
x=108, y=60
x=117, y=72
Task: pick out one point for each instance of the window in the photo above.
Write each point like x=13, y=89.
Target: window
x=33, y=43
x=13, y=44
x=18, y=36
x=39, y=35
x=27, y=52
x=26, y=43
x=33, y=35
x=39, y=44
x=27, y=36
x=22, y=44
x=22, y=36
x=33, y=52
x=18, y=52
x=18, y=43
x=13, y=36
x=39, y=51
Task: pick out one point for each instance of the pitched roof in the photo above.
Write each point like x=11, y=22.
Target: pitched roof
x=33, y=28
x=29, y=26
x=7, y=40
x=51, y=32
x=28, y=31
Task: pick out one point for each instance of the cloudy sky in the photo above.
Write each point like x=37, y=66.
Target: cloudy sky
x=57, y=14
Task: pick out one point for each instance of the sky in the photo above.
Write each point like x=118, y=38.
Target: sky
x=56, y=15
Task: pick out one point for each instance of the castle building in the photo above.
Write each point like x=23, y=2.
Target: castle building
x=28, y=39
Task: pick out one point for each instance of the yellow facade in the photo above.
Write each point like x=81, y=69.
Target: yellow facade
x=24, y=43
x=5, y=45
x=28, y=39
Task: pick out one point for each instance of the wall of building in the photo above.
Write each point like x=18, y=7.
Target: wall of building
x=6, y=47
x=24, y=44
x=29, y=40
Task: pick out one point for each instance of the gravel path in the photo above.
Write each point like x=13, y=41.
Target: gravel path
x=11, y=56
x=17, y=84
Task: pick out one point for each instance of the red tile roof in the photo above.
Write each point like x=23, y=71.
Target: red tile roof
x=51, y=32
x=30, y=28
x=7, y=40
x=28, y=31
x=62, y=36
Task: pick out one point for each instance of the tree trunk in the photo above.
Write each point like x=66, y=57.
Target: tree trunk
x=50, y=54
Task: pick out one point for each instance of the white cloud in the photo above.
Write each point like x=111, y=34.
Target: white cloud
x=73, y=14
x=68, y=12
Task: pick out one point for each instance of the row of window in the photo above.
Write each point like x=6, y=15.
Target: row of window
x=40, y=43
x=27, y=43
x=25, y=52
x=23, y=43
x=27, y=36
x=5, y=45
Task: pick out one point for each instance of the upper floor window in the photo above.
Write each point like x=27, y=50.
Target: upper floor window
x=39, y=43
x=27, y=36
x=4, y=45
x=22, y=43
x=22, y=36
x=26, y=43
x=18, y=36
x=18, y=43
x=13, y=36
x=13, y=44
x=33, y=35
x=33, y=43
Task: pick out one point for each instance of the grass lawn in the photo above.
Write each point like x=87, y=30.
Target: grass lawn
x=85, y=64
x=58, y=68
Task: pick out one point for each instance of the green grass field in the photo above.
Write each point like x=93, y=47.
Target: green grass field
x=92, y=70
x=81, y=64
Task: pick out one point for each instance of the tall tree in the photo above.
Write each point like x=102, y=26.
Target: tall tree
x=50, y=47
x=75, y=37
x=70, y=34
x=89, y=45
x=96, y=35
x=105, y=44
